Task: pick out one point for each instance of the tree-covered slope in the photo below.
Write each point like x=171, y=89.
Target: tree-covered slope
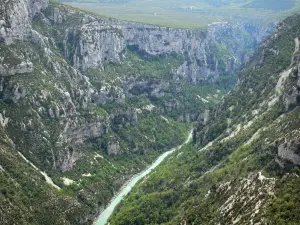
x=243, y=164
x=86, y=102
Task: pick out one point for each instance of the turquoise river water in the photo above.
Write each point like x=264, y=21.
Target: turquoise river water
x=102, y=219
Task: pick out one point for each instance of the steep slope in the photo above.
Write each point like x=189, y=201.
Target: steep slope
x=26, y=197
x=243, y=167
x=86, y=102
x=91, y=42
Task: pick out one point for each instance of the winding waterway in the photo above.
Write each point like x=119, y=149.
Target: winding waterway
x=102, y=219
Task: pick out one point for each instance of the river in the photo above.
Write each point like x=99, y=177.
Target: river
x=102, y=219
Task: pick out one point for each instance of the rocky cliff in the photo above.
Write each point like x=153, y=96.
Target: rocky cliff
x=16, y=16
x=243, y=167
x=93, y=42
x=86, y=101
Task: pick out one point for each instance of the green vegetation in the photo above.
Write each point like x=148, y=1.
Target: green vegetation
x=193, y=13
x=179, y=101
x=25, y=197
x=96, y=175
x=91, y=147
x=177, y=190
x=139, y=66
x=144, y=125
x=285, y=208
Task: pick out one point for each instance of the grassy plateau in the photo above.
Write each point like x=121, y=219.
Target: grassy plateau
x=190, y=13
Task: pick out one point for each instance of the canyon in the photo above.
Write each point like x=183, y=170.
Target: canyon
x=87, y=101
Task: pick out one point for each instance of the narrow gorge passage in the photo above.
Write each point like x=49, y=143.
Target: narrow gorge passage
x=88, y=102
x=104, y=216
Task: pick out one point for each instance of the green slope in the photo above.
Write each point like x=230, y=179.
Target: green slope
x=192, y=13
x=234, y=171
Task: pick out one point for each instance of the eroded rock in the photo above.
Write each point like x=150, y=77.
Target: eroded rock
x=113, y=147
x=290, y=151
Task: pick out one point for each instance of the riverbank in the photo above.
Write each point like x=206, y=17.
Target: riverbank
x=126, y=188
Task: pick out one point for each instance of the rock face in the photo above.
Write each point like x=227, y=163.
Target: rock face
x=85, y=130
x=15, y=18
x=59, y=114
x=97, y=45
x=98, y=41
x=113, y=147
x=9, y=70
x=151, y=88
x=15, y=21
x=243, y=135
x=199, y=65
x=36, y=6
x=247, y=199
x=290, y=151
x=70, y=43
x=291, y=97
x=68, y=159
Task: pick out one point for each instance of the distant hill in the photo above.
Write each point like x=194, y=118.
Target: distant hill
x=259, y=4
x=96, y=1
x=272, y=4
x=192, y=13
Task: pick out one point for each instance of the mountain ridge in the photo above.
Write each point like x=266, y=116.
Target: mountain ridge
x=243, y=166
x=86, y=102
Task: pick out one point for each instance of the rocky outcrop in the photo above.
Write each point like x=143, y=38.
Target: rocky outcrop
x=120, y=119
x=15, y=18
x=290, y=151
x=204, y=117
x=36, y=6
x=67, y=159
x=11, y=92
x=154, y=88
x=15, y=21
x=113, y=147
x=84, y=130
x=291, y=97
x=108, y=94
x=9, y=70
x=95, y=41
x=247, y=199
x=3, y=120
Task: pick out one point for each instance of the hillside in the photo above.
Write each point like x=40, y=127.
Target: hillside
x=86, y=102
x=190, y=13
x=243, y=164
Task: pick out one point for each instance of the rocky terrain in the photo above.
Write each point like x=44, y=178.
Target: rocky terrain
x=87, y=101
x=243, y=165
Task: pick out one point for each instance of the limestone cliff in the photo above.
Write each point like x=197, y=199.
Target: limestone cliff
x=15, y=18
x=94, y=41
x=243, y=167
x=78, y=121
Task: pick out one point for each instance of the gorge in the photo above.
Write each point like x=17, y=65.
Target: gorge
x=104, y=216
x=86, y=102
